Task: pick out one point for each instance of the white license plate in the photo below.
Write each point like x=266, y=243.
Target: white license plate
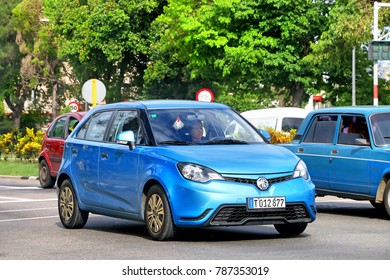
x=273, y=202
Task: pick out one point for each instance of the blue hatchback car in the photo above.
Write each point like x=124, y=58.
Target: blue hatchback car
x=175, y=164
x=347, y=152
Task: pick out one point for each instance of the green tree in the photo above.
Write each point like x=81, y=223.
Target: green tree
x=10, y=64
x=107, y=40
x=350, y=26
x=240, y=47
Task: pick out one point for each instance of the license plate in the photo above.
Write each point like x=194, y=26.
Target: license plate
x=274, y=202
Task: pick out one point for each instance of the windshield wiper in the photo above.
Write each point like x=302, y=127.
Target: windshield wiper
x=175, y=142
x=224, y=141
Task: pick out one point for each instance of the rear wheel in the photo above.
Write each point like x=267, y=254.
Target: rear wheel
x=158, y=216
x=45, y=179
x=70, y=214
x=290, y=229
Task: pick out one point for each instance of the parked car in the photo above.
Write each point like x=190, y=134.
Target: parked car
x=280, y=119
x=347, y=152
x=49, y=159
x=140, y=161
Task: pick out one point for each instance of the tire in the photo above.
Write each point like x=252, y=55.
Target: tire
x=386, y=199
x=45, y=179
x=290, y=229
x=70, y=214
x=158, y=217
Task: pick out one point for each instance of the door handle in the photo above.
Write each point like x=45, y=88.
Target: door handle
x=104, y=156
x=74, y=152
x=301, y=150
x=334, y=152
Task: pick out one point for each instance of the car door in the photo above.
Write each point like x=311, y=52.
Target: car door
x=316, y=146
x=85, y=149
x=349, y=168
x=54, y=143
x=118, y=165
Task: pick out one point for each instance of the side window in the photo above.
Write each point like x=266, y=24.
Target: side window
x=322, y=129
x=96, y=126
x=353, y=131
x=57, y=130
x=125, y=121
x=72, y=124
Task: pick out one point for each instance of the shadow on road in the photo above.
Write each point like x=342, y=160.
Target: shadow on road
x=351, y=208
x=220, y=234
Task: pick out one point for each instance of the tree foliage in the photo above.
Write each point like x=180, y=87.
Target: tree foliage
x=350, y=27
x=107, y=40
x=240, y=47
x=251, y=54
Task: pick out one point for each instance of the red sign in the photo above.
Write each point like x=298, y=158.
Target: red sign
x=74, y=106
x=317, y=98
x=205, y=95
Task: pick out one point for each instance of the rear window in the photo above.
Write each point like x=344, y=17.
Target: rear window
x=291, y=123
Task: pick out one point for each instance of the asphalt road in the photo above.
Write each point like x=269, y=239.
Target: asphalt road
x=31, y=230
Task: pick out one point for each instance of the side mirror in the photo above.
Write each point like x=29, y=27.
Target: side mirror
x=126, y=138
x=266, y=134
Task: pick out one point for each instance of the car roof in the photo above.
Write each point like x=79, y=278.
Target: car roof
x=162, y=104
x=364, y=109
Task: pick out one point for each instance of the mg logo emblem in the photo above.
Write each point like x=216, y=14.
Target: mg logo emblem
x=262, y=183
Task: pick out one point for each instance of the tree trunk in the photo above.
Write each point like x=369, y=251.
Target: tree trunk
x=17, y=111
x=297, y=91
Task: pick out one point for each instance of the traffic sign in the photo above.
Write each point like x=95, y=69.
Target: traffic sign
x=379, y=50
x=204, y=94
x=74, y=106
x=94, y=91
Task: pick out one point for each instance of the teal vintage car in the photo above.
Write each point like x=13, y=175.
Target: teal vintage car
x=347, y=152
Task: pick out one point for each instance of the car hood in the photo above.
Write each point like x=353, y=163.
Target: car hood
x=235, y=159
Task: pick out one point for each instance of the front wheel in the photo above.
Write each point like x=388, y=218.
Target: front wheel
x=70, y=214
x=158, y=216
x=290, y=229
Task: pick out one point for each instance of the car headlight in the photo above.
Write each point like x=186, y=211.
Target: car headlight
x=198, y=173
x=301, y=171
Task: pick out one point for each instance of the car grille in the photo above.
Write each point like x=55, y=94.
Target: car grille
x=253, y=181
x=237, y=215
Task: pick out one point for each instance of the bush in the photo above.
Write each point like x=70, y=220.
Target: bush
x=278, y=137
x=24, y=146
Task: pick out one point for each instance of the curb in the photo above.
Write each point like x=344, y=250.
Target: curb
x=20, y=177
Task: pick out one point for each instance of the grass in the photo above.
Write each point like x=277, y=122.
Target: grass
x=17, y=167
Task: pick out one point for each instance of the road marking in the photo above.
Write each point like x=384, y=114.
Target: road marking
x=17, y=200
x=31, y=209
x=20, y=188
x=26, y=219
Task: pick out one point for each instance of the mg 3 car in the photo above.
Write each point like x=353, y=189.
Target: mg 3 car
x=347, y=152
x=178, y=164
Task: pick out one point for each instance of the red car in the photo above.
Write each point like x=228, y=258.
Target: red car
x=49, y=160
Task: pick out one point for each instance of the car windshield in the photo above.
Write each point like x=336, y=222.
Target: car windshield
x=201, y=126
x=380, y=124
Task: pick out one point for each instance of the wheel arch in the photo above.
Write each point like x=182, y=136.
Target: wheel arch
x=150, y=183
x=61, y=178
x=381, y=188
x=48, y=162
